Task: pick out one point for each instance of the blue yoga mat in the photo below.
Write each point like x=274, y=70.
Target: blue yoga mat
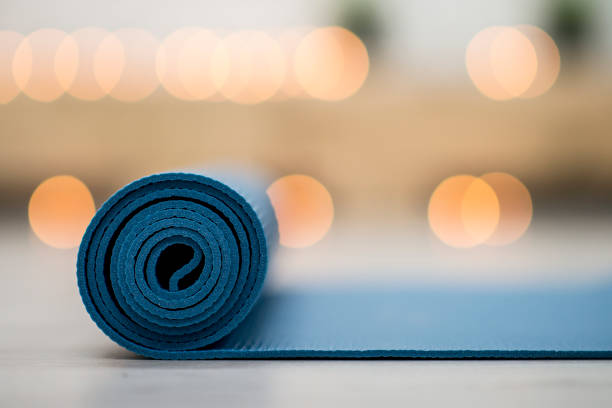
x=172, y=266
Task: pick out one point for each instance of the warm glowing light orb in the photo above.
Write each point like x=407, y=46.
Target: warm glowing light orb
x=479, y=210
x=444, y=211
x=45, y=63
x=478, y=64
x=59, y=211
x=256, y=67
x=84, y=84
x=331, y=63
x=108, y=63
x=202, y=64
x=515, y=207
x=513, y=61
x=289, y=41
x=501, y=62
x=303, y=208
x=167, y=62
x=549, y=61
x=463, y=211
x=137, y=59
x=9, y=41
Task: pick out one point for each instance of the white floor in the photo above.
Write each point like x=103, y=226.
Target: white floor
x=51, y=354
x=114, y=379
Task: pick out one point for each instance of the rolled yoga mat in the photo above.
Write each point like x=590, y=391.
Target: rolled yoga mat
x=172, y=266
x=174, y=262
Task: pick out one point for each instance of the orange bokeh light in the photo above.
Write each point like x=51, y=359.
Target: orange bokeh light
x=515, y=207
x=132, y=54
x=84, y=84
x=9, y=41
x=549, y=60
x=255, y=65
x=167, y=63
x=479, y=210
x=303, y=208
x=513, y=61
x=478, y=64
x=59, y=211
x=45, y=64
x=463, y=211
x=108, y=62
x=503, y=62
x=331, y=63
x=202, y=64
x=289, y=41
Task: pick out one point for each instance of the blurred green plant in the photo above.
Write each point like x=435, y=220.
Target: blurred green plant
x=363, y=19
x=571, y=23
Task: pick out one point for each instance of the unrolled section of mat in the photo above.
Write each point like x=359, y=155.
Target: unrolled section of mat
x=382, y=322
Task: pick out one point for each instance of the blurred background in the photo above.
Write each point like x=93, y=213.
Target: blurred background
x=430, y=142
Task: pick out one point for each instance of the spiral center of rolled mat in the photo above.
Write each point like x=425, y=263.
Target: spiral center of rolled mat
x=178, y=268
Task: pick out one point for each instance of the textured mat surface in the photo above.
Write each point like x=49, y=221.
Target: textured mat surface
x=173, y=265
x=425, y=323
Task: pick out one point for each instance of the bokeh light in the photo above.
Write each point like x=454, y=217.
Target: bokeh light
x=289, y=41
x=108, y=63
x=513, y=61
x=463, y=211
x=478, y=64
x=256, y=68
x=84, y=84
x=303, y=208
x=203, y=63
x=59, y=211
x=331, y=63
x=43, y=70
x=515, y=207
x=501, y=62
x=549, y=60
x=479, y=210
x=9, y=41
x=167, y=62
x=138, y=76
